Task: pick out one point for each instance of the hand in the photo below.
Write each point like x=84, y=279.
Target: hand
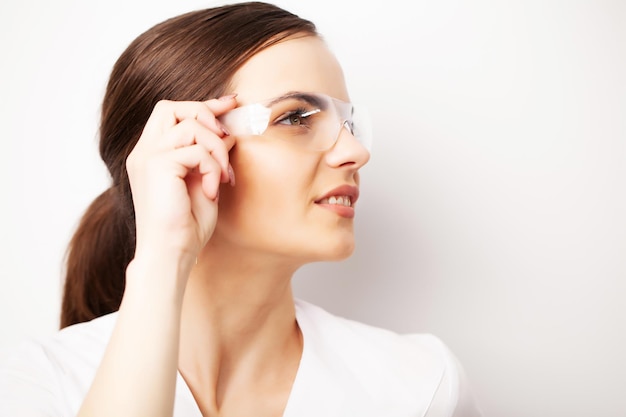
x=175, y=171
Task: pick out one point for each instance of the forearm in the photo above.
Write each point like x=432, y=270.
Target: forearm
x=174, y=172
x=137, y=375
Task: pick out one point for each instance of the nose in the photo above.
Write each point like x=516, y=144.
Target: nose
x=347, y=151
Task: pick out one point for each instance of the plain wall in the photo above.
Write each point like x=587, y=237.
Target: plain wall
x=492, y=213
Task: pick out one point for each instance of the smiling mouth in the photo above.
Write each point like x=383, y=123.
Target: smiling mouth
x=339, y=200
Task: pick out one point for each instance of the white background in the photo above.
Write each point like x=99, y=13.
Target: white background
x=492, y=211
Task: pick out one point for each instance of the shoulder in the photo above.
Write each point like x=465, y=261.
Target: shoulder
x=415, y=371
x=53, y=373
x=75, y=346
x=418, y=349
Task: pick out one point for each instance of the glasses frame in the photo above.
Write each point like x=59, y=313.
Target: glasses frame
x=254, y=119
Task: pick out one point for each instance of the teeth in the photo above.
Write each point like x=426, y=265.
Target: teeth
x=340, y=200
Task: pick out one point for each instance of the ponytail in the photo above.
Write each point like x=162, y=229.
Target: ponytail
x=97, y=257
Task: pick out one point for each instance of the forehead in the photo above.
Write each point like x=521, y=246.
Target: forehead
x=302, y=63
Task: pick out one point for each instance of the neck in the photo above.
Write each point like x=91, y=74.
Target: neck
x=238, y=324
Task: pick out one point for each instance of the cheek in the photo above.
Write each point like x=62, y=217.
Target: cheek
x=273, y=188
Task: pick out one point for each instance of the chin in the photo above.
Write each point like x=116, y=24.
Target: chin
x=338, y=252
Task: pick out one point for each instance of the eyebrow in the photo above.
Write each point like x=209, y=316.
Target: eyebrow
x=310, y=98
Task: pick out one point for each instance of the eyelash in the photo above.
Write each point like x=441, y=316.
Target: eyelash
x=301, y=112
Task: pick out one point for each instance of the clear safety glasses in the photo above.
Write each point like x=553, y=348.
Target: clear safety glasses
x=309, y=120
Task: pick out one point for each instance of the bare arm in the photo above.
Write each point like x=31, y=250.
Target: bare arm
x=175, y=171
x=137, y=375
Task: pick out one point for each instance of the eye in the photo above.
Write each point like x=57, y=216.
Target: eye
x=297, y=117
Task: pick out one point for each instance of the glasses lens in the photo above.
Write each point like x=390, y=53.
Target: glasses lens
x=310, y=121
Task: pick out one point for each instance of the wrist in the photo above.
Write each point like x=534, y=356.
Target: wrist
x=158, y=277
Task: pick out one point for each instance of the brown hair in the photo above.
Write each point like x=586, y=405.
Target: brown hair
x=189, y=57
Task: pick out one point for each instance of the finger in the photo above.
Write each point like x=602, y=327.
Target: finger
x=169, y=113
x=216, y=107
x=220, y=106
x=195, y=158
x=190, y=132
x=187, y=133
x=202, y=212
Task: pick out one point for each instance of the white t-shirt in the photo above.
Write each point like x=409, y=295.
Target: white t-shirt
x=347, y=369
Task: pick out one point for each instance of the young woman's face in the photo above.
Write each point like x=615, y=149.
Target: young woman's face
x=290, y=201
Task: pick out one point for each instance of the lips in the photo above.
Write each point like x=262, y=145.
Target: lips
x=343, y=191
x=341, y=200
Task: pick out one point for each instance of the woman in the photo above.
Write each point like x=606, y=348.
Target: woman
x=234, y=155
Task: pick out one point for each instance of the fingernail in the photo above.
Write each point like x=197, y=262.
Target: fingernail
x=228, y=97
x=223, y=128
x=231, y=175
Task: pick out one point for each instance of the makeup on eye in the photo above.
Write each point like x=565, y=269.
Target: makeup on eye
x=303, y=97
x=297, y=117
